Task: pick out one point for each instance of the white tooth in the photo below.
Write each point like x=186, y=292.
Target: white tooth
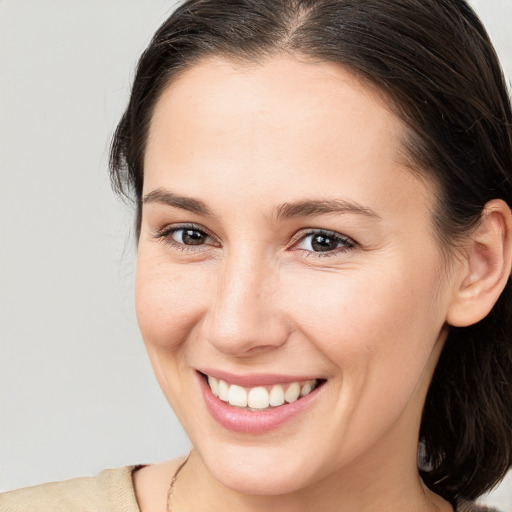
x=223, y=390
x=276, y=395
x=237, y=396
x=293, y=392
x=306, y=389
x=258, y=398
x=214, y=385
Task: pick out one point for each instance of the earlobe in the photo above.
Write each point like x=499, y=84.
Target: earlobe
x=485, y=268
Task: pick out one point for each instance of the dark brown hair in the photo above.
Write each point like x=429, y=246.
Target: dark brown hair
x=434, y=62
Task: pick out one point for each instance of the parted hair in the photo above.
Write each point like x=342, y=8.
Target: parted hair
x=435, y=64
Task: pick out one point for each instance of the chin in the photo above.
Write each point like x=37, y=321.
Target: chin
x=258, y=481
x=259, y=470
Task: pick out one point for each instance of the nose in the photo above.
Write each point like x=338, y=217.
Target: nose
x=244, y=317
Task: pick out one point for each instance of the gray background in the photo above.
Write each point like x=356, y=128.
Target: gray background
x=77, y=393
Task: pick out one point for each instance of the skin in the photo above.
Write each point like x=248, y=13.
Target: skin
x=254, y=296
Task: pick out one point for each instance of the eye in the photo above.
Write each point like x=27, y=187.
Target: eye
x=185, y=237
x=188, y=236
x=325, y=243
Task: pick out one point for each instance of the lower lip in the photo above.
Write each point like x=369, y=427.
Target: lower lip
x=253, y=422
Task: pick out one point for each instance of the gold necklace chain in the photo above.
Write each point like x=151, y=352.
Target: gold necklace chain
x=173, y=481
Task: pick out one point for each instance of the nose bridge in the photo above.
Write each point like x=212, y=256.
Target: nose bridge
x=243, y=315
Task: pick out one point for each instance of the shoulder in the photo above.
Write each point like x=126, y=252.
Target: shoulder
x=468, y=506
x=110, y=491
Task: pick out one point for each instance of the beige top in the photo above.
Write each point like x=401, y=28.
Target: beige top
x=111, y=491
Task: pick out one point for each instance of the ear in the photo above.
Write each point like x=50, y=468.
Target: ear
x=485, y=267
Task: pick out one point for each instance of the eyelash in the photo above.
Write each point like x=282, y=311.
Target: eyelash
x=165, y=235
x=346, y=243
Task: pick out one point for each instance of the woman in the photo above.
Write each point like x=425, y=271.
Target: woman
x=324, y=253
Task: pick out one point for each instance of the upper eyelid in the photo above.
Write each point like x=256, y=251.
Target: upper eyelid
x=166, y=230
x=312, y=231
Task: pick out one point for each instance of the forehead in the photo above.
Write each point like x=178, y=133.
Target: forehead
x=283, y=92
x=282, y=125
x=271, y=74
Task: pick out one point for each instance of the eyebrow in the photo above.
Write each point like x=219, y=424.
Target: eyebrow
x=321, y=207
x=162, y=196
x=304, y=208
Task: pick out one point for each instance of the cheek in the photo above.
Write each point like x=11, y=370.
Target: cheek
x=361, y=318
x=169, y=302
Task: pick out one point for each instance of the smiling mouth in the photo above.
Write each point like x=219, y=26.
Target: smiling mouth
x=261, y=398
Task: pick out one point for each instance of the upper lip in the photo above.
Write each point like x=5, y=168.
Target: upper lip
x=255, y=379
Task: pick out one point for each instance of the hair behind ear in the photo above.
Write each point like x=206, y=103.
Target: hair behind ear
x=467, y=418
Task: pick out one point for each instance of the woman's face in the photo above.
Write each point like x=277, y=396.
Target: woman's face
x=283, y=247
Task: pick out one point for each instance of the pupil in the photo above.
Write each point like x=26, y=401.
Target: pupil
x=323, y=243
x=192, y=237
